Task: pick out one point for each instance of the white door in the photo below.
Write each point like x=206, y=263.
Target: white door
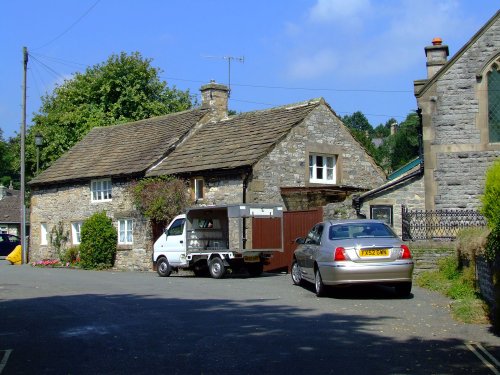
x=175, y=246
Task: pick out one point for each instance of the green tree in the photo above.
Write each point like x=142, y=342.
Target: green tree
x=358, y=121
x=7, y=156
x=124, y=88
x=406, y=142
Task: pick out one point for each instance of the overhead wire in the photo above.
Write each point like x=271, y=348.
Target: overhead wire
x=70, y=27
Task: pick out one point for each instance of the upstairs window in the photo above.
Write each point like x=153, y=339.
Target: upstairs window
x=198, y=186
x=125, y=230
x=101, y=190
x=322, y=169
x=494, y=105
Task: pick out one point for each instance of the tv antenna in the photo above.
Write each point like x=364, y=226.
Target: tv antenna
x=229, y=59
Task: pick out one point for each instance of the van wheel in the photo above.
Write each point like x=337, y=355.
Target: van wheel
x=216, y=268
x=163, y=268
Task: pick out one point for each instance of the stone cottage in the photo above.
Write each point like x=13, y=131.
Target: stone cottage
x=10, y=210
x=459, y=107
x=299, y=155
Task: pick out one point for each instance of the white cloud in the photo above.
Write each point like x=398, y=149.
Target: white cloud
x=338, y=10
x=313, y=66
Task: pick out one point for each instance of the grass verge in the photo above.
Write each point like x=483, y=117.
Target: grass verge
x=459, y=285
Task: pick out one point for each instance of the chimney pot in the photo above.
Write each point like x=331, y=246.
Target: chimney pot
x=437, y=41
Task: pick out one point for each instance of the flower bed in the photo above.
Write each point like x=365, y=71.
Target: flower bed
x=54, y=263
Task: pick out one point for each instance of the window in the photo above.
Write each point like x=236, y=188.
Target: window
x=494, y=105
x=383, y=213
x=314, y=235
x=125, y=227
x=3, y=229
x=43, y=234
x=101, y=190
x=198, y=189
x=177, y=228
x=75, y=232
x=322, y=169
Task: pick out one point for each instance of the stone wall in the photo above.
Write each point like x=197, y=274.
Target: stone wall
x=427, y=254
x=72, y=203
x=410, y=193
x=460, y=177
x=455, y=117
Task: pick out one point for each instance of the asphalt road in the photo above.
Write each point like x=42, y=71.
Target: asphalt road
x=62, y=321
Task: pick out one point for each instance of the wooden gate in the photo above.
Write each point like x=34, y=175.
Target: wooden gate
x=295, y=224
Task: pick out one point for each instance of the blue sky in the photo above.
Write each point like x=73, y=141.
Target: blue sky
x=357, y=54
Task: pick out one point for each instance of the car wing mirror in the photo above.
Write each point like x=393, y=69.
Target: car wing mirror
x=300, y=240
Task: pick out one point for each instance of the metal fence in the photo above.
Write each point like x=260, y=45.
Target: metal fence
x=439, y=224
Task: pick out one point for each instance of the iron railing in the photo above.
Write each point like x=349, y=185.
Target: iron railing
x=438, y=224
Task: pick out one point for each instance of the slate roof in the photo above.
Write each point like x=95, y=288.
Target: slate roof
x=235, y=142
x=10, y=212
x=121, y=150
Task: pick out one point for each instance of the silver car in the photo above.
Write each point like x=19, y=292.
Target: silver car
x=348, y=252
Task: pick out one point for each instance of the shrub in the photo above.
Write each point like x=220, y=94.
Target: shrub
x=71, y=255
x=491, y=198
x=470, y=243
x=58, y=238
x=98, y=242
x=160, y=198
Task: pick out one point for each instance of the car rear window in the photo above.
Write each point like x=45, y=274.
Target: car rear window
x=355, y=230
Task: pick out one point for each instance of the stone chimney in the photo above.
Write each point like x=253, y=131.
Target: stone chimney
x=215, y=97
x=437, y=56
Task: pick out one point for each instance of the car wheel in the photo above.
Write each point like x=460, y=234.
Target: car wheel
x=318, y=284
x=216, y=268
x=403, y=289
x=163, y=268
x=255, y=269
x=296, y=273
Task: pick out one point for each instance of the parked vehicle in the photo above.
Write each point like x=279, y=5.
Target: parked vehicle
x=349, y=252
x=8, y=243
x=214, y=239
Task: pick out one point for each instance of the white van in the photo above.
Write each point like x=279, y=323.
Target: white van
x=215, y=239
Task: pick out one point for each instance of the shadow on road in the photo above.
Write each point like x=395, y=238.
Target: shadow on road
x=118, y=334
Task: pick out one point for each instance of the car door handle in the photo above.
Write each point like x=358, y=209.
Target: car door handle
x=181, y=241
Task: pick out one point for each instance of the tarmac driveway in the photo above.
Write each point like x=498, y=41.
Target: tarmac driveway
x=62, y=321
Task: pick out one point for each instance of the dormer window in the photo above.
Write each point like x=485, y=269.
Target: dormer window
x=101, y=190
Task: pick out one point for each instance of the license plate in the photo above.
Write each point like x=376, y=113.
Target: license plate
x=374, y=252
x=252, y=259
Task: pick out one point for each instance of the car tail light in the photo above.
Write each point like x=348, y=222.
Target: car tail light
x=405, y=252
x=339, y=254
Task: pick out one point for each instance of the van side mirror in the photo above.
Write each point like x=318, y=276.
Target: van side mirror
x=300, y=240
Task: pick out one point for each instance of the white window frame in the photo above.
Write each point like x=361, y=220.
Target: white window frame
x=43, y=234
x=328, y=169
x=199, y=186
x=76, y=229
x=101, y=190
x=125, y=231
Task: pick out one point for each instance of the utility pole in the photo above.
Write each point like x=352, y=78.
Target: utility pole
x=23, y=172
